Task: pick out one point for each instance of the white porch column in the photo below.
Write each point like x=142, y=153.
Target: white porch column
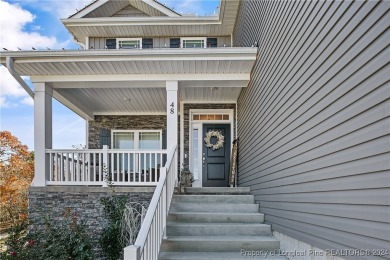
x=172, y=121
x=42, y=131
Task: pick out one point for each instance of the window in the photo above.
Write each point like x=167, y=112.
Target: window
x=193, y=42
x=129, y=43
x=216, y=117
x=137, y=139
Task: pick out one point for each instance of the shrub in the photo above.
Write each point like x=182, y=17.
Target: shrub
x=62, y=240
x=110, y=240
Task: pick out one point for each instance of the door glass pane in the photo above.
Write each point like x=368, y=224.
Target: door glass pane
x=149, y=140
x=195, y=153
x=123, y=140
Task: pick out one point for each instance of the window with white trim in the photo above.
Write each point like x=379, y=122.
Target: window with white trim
x=193, y=42
x=206, y=116
x=137, y=139
x=129, y=43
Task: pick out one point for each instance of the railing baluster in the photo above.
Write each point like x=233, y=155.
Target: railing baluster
x=139, y=167
x=128, y=167
x=94, y=166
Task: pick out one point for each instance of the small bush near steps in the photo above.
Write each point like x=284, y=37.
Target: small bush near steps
x=62, y=240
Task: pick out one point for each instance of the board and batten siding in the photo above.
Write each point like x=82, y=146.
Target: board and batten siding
x=313, y=123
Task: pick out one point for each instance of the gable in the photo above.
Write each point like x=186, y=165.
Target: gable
x=124, y=8
x=129, y=11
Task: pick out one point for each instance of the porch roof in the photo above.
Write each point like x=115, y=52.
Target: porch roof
x=92, y=82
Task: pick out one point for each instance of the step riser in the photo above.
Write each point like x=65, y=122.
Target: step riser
x=209, y=218
x=223, y=208
x=246, y=199
x=218, y=190
x=218, y=246
x=214, y=256
x=219, y=230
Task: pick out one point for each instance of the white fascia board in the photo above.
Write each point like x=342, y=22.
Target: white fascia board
x=89, y=9
x=204, y=54
x=119, y=21
x=145, y=77
x=161, y=8
x=78, y=109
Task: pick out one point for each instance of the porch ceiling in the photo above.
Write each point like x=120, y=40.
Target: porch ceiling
x=152, y=100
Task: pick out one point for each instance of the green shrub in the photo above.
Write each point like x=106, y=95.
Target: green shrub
x=110, y=239
x=62, y=240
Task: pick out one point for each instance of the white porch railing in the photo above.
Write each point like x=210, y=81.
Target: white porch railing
x=97, y=166
x=148, y=243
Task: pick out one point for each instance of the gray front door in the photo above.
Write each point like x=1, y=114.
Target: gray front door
x=216, y=163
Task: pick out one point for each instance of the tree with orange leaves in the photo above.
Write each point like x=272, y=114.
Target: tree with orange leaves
x=16, y=174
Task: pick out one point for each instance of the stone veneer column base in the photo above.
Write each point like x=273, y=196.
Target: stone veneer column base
x=84, y=201
x=289, y=245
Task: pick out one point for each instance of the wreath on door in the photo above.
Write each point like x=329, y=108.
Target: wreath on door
x=218, y=135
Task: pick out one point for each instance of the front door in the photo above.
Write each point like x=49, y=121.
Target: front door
x=216, y=162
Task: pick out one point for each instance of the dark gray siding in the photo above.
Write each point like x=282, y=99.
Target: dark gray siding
x=314, y=121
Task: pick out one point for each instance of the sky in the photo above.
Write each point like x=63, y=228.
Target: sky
x=35, y=23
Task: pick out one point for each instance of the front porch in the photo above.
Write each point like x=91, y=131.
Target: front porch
x=163, y=83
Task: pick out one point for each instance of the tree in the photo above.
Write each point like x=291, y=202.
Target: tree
x=16, y=174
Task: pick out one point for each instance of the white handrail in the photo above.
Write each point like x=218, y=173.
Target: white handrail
x=148, y=243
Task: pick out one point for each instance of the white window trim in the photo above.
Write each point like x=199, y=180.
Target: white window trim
x=193, y=38
x=136, y=137
x=129, y=39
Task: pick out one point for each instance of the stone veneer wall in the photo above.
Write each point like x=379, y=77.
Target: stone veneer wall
x=84, y=201
x=188, y=107
x=111, y=122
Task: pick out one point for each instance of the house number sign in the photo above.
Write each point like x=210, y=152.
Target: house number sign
x=172, y=108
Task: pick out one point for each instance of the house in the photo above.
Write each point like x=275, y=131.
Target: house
x=303, y=85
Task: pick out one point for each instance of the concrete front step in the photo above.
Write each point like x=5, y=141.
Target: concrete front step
x=219, y=243
x=218, y=190
x=218, y=229
x=219, y=256
x=224, y=199
x=210, y=217
x=213, y=207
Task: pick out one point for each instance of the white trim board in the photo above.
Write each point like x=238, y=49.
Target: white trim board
x=198, y=183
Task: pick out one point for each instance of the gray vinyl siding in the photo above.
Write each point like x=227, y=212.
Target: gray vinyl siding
x=158, y=42
x=313, y=123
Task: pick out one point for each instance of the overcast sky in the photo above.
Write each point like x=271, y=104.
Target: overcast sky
x=35, y=23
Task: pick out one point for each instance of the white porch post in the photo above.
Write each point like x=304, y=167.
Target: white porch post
x=172, y=121
x=42, y=132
